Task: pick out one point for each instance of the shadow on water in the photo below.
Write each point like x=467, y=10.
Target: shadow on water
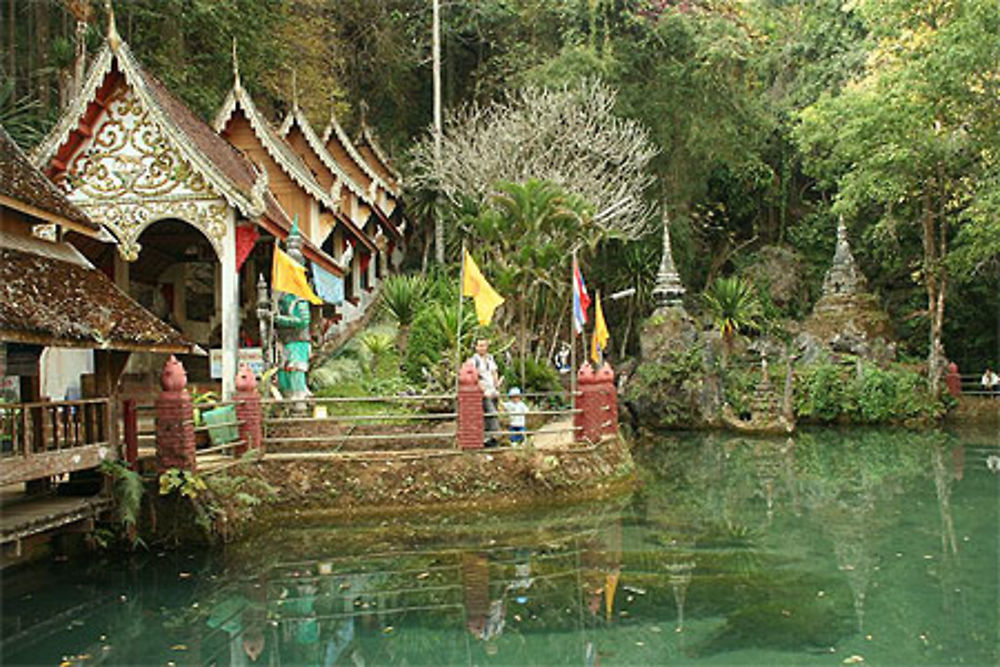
x=868, y=544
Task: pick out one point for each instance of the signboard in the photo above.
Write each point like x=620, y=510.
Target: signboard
x=251, y=356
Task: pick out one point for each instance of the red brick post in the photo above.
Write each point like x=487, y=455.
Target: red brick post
x=953, y=380
x=589, y=417
x=248, y=411
x=470, y=408
x=174, y=420
x=607, y=399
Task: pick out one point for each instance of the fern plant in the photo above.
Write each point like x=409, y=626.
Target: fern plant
x=127, y=489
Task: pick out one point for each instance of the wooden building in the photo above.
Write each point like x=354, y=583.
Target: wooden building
x=362, y=199
x=52, y=297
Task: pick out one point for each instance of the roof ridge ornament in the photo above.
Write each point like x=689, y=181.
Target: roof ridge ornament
x=236, y=65
x=114, y=39
x=363, y=108
x=295, y=89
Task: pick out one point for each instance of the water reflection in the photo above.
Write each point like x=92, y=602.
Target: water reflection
x=874, y=544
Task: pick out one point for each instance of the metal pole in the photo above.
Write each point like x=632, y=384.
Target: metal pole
x=572, y=332
x=458, y=335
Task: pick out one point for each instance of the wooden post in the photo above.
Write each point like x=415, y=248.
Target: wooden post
x=130, y=416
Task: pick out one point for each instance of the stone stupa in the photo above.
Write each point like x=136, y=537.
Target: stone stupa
x=847, y=317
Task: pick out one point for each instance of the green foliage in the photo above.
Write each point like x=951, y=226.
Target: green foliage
x=529, y=231
x=19, y=115
x=336, y=371
x=667, y=389
x=539, y=376
x=820, y=393
x=377, y=346
x=186, y=483
x=734, y=306
x=127, y=489
x=829, y=392
x=432, y=339
x=401, y=297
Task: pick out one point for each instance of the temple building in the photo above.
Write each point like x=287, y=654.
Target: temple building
x=364, y=201
x=195, y=210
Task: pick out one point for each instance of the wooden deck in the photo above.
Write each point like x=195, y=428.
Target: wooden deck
x=22, y=516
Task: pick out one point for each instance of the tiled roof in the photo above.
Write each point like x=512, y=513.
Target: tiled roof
x=52, y=302
x=20, y=181
x=222, y=154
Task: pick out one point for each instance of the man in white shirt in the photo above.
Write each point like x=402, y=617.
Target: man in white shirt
x=489, y=382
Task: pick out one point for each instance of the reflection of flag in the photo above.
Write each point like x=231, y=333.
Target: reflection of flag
x=610, y=584
x=328, y=286
x=287, y=275
x=581, y=301
x=600, y=339
x=475, y=285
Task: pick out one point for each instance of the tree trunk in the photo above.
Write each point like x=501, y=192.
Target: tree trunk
x=521, y=334
x=44, y=42
x=935, y=284
x=12, y=45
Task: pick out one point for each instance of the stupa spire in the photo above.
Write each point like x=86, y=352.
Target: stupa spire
x=669, y=289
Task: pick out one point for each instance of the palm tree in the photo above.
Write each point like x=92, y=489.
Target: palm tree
x=401, y=298
x=534, y=224
x=734, y=306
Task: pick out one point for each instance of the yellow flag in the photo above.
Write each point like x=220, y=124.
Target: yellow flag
x=610, y=584
x=600, y=339
x=475, y=285
x=287, y=275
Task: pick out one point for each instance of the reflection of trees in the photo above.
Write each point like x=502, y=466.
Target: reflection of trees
x=848, y=486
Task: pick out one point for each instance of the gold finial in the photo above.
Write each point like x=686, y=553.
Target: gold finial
x=236, y=64
x=114, y=39
x=295, y=89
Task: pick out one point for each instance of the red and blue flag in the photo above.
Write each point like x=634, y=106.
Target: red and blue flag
x=581, y=300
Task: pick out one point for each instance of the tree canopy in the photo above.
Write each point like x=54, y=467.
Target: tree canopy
x=753, y=125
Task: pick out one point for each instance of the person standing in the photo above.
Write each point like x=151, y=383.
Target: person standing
x=990, y=381
x=489, y=382
x=517, y=409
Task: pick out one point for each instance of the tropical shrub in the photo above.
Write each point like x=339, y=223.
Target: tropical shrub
x=432, y=338
x=820, y=393
x=401, y=298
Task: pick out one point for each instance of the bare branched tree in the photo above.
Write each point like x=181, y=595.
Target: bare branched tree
x=568, y=136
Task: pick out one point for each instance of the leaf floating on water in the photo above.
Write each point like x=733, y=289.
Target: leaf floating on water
x=853, y=660
x=184, y=575
x=179, y=647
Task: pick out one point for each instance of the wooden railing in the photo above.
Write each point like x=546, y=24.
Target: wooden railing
x=52, y=437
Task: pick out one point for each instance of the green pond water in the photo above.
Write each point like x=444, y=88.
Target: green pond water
x=833, y=547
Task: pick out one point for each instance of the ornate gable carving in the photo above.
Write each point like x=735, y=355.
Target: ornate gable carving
x=129, y=176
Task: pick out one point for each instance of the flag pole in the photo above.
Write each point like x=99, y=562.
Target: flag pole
x=572, y=332
x=458, y=335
